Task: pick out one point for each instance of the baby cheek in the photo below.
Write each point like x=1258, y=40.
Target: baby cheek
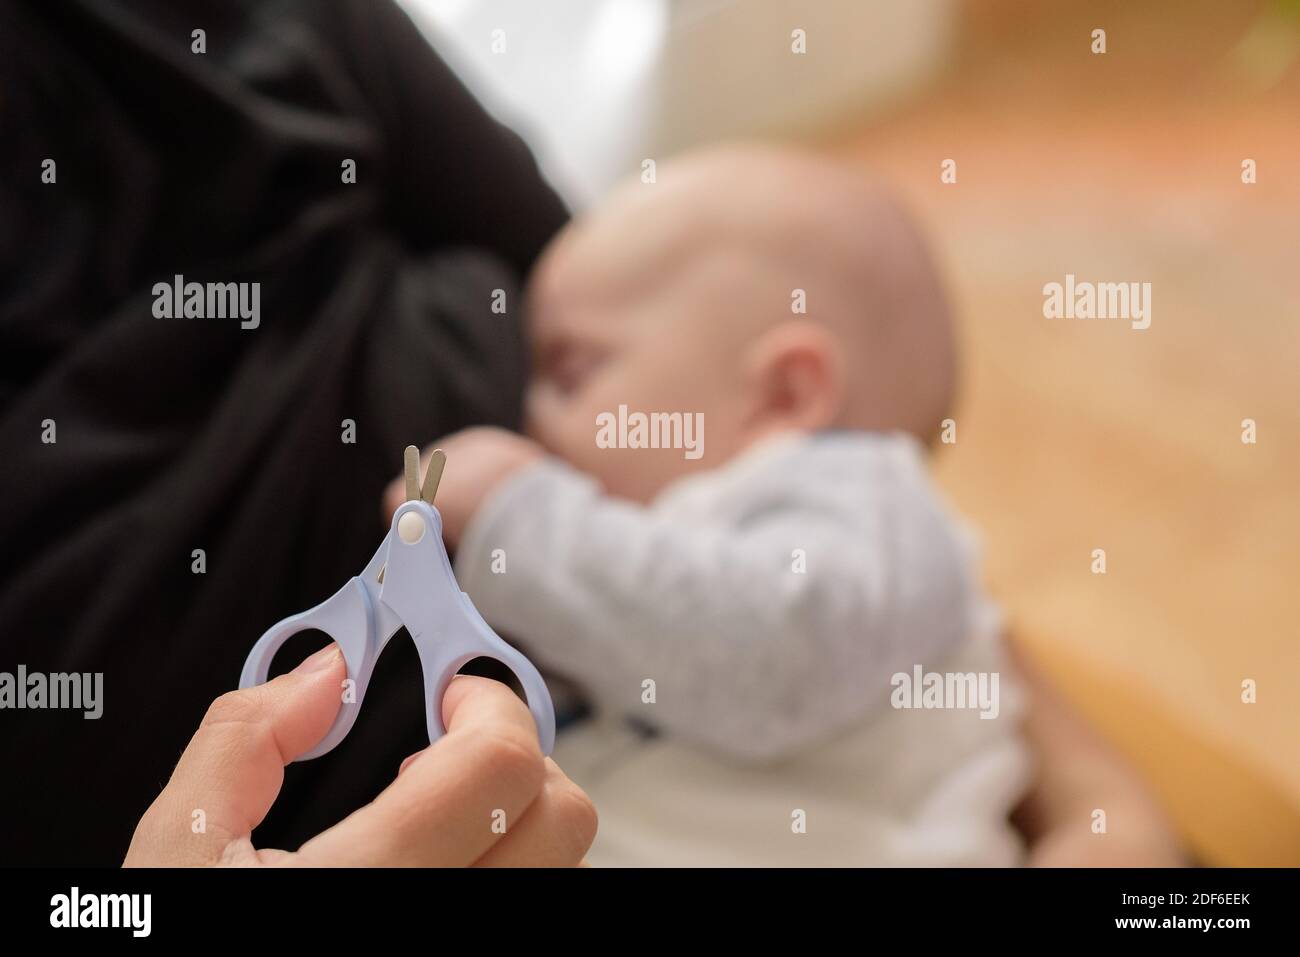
x=540, y=412
x=553, y=421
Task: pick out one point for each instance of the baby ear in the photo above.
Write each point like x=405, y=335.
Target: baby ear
x=796, y=375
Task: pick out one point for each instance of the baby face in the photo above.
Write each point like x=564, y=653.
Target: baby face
x=676, y=301
x=610, y=329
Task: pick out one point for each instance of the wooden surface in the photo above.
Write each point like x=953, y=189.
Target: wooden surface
x=1076, y=435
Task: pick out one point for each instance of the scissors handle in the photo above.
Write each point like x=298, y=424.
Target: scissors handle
x=418, y=589
x=458, y=644
x=447, y=629
x=348, y=617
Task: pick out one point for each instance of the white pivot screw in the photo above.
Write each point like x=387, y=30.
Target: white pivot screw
x=410, y=527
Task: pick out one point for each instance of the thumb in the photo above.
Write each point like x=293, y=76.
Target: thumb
x=232, y=769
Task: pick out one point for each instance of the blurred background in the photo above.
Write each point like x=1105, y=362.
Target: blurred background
x=1124, y=166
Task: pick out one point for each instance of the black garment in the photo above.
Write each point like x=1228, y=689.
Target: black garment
x=183, y=434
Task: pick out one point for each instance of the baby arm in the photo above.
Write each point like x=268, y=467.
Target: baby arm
x=747, y=654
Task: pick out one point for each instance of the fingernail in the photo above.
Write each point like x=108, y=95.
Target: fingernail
x=325, y=658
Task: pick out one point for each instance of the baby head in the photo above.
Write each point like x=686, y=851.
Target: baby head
x=752, y=290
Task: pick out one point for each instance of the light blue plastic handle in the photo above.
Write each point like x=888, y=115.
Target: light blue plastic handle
x=347, y=617
x=419, y=591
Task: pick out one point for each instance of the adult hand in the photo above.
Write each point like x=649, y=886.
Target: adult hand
x=481, y=795
x=1077, y=773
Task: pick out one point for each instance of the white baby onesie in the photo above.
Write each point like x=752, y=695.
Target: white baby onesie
x=756, y=615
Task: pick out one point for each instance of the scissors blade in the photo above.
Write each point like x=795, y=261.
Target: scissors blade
x=433, y=475
x=412, y=463
x=372, y=578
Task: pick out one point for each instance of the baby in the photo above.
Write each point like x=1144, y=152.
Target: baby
x=721, y=527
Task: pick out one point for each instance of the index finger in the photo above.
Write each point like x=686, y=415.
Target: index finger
x=455, y=800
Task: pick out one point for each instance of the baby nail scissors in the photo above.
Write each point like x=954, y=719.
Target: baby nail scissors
x=408, y=583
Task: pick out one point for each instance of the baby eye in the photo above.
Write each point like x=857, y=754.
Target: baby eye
x=570, y=367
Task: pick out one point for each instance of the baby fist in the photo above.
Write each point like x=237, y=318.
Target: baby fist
x=478, y=460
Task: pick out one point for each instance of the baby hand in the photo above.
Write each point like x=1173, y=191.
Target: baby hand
x=478, y=460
